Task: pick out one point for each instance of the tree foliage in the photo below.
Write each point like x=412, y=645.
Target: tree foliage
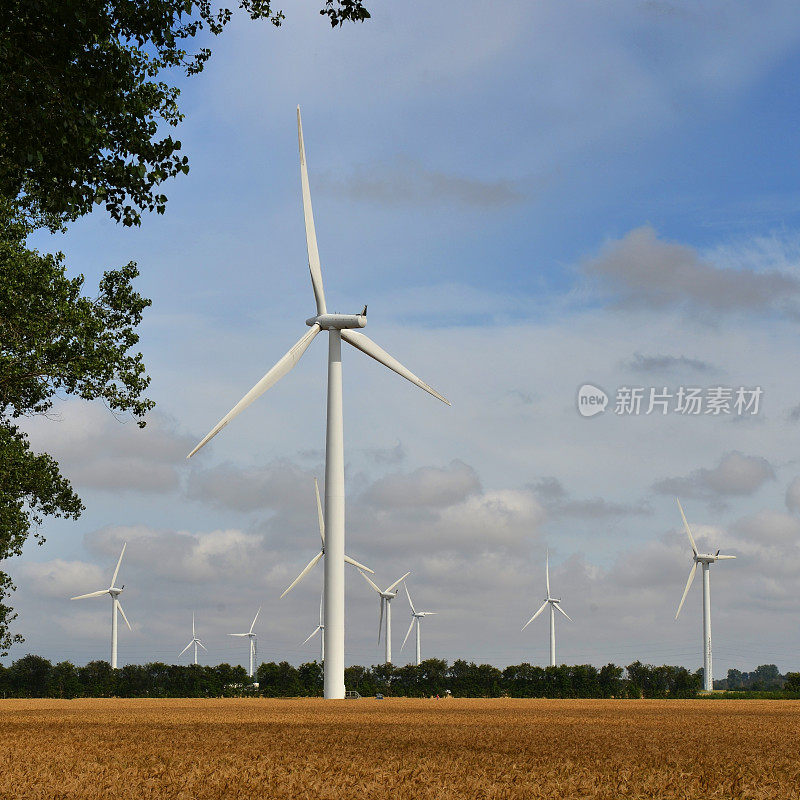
x=32, y=676
x=88, y=87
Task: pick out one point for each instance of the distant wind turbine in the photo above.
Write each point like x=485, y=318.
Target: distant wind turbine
x=553, y=602
x=319, y=629
x=253, y=642
x=416, y=618
x=115, y=606
x=311, y=564
x=386, y=597
x=706, y=560
x=195, y=641
x=339, y=327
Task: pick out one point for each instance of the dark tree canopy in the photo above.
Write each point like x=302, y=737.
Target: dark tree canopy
x=87, y=95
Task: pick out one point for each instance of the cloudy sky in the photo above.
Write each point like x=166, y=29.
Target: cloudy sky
x=549, y=195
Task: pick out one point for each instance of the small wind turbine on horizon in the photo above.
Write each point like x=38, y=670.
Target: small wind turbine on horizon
x=553, y=602
x=114, y=592
x=416, y=619
x=339, y=327
x=386, y=596
x=319, y=629
x=706, y=560
x=311, y=564
x=252, y=641
x=195, y=641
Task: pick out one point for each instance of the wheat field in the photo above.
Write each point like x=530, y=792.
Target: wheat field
x=399, y=749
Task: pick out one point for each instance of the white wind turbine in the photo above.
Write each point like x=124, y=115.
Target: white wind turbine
x=416, y=618
x=195, y=641
x=339, y=327
x=114, y=592
x=553, y=602
x=386, y=596
x=706, y=559
x=311, y=564
x=319, y=629
x=253, y=642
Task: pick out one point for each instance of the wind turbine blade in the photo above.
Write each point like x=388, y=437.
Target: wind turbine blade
x=311, y=234
x=370, y=582
x=427, y=613
x=389, y=588
x=119, y=606
x=366, y=345
x=558, y=608
x=408, y=633
x=193, y=633
x=686, y=525
x=91, y=594
x=380, y=620
x=692, y=573
x=116, y=571
x=413, y=610
x=312, y=635
x=543, y=607
x=358, y=564
x=547, y=571
x=320, y=514
x=254, y=619
x=270, y=379
x=311, y=564
x=185, y=648
x=722, y=558
x=238, y=634
x=202, y=645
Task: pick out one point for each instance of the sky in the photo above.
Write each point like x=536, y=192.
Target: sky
x=547, y=196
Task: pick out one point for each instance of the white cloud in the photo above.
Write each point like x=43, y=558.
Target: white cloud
x=98, y=450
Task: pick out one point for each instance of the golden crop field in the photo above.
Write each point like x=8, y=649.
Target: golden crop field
x=399, y=749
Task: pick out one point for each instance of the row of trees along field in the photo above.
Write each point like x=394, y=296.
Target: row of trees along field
x=33, y=676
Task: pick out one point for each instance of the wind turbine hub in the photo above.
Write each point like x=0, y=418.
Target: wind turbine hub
x=338, y=322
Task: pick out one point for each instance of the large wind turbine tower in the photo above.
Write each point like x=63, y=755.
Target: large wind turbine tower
x=705, y=560
x=553, y=602
x=386, y=596
x=114, y=593
x=339, y=327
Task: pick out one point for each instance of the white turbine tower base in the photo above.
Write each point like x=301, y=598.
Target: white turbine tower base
x=114, y=593
x=705, y=560
x=386, y=596
x=252, y=642
x=194, y=641
x=554, y=604
x=339, y=327
x=416, y=619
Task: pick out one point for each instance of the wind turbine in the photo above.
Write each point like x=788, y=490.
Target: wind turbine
x=253, y=641
x=706, y=559
x=319, y=629
x=115, y=606
x=311, y=564
x=339, y=327
x=553, y=602
x=416, y=617
x=195, y=641
x=386, y=596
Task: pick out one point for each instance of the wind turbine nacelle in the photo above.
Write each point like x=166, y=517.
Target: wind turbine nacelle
x=338, y=322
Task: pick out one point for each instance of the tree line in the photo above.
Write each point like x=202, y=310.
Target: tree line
x=34, y=676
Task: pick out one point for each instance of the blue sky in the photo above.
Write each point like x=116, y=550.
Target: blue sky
x=553, y=194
